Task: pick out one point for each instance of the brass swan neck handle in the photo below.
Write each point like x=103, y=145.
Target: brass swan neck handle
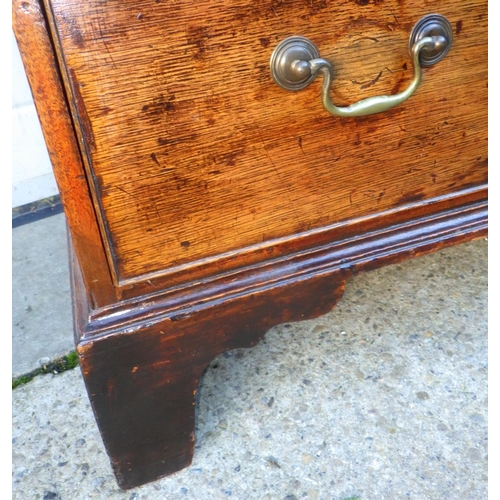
x=295, y=63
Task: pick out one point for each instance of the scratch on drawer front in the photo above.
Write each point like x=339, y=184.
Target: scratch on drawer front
x=86, y=126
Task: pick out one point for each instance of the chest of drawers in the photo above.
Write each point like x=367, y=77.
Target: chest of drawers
x=206, y=204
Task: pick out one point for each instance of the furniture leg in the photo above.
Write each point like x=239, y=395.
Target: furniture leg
x=142, y=380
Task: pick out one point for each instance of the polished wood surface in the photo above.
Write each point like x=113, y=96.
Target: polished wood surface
x=192, y=151
x=205, y=204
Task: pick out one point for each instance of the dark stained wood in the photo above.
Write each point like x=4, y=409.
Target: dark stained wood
x=142, y=370
x=43, y=75
x=142, y=384
x=194, y=151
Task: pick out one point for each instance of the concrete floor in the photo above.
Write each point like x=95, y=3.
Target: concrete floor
x=41, y=302
x=385, y=397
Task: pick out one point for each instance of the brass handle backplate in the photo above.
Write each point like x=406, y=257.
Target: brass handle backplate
x=296, y=62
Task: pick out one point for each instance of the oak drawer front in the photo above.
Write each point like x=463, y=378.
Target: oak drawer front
x=193, y=151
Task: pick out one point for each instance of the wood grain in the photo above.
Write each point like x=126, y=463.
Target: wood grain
x=193, y=151
x=224, y=205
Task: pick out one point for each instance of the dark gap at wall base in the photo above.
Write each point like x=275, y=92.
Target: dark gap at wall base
x=37, y=210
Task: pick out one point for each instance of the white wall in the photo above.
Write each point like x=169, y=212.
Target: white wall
x=32, y=177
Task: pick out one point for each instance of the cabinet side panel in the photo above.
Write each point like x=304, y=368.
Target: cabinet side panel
x=41, y=68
